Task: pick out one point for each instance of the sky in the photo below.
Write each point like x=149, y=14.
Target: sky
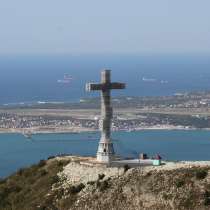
x=104, y=26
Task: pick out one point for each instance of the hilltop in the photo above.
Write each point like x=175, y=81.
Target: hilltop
x=63, y=183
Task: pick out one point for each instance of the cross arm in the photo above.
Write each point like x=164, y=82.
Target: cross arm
x=117, y=85
x=93, y=86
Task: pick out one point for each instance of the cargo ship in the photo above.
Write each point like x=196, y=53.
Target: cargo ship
x=66, y=79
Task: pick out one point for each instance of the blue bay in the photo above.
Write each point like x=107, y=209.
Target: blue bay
x=16, y=151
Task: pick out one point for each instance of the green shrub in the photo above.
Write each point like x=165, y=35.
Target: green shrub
x=91, y=182
x=167, y=196
x=43, y=172
x=201, y=174
x=41, y=163
x=51, y=157
x=20, y=171
x=2, y=181
x=149, y=173
x=54, y=179
x=63, y=163
x=126, y=168
x=206, y=196
x=15, y=188
x=101, y=176
x=76, y=189
x=207, y=201
x=102, y=185
x=27, y=189
x=179, y=183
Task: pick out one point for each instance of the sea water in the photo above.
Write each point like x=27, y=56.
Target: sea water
x=32, y=78
x=16, y=151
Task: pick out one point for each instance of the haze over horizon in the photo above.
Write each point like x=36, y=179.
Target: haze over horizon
x=75, y=27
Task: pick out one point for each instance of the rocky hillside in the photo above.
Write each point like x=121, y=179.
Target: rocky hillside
x=58, y=184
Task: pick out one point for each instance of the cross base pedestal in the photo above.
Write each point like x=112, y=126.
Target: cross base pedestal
x=105, y=152
x=104, y=158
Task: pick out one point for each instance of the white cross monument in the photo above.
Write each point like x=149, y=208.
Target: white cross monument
x=105, y=152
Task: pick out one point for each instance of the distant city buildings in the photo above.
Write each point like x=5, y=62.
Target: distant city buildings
x=191, y=111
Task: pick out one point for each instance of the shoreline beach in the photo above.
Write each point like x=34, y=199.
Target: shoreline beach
x=48, y=130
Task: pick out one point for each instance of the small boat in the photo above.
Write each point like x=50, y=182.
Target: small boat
x=66, y=79
x=149, y=79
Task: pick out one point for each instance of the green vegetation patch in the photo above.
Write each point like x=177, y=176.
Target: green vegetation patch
x=28, y=188
x=201, y=173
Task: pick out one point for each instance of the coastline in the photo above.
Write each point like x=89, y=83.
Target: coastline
x=48, y=130
x=73, y=130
